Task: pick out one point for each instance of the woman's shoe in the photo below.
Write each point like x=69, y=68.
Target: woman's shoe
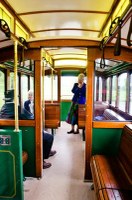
x=46, y=165
x=71, y=131
x=76, y=132
x=52, y=153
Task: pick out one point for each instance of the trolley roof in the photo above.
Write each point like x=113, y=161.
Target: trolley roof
x=77, y=19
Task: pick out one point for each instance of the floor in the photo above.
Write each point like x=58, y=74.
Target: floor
x=64, y=179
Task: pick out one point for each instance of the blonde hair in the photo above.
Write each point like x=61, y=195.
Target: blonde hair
x=81, y=76
x=30, y=93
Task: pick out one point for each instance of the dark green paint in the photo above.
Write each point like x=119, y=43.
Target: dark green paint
x=105, y=140
x=70, y=72
x=11, y=170
x=65, y=106
x=28, y=144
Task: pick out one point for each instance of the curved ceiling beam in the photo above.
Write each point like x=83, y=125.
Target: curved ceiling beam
x=62, y=11
x=63, y=43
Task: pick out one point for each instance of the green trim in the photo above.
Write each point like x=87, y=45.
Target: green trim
x=22, y=69
x=70, y=72
x=118, y=69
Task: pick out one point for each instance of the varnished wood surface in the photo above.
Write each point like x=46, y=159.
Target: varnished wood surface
x=81, y=116
x=38, y=117
x=109, y=124
x=64, y=179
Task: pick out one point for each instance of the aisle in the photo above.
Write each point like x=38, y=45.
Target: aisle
x=64, y=180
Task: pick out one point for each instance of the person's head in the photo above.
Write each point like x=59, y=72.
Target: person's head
x=81, y=78
x=30, y=95
x=9, y=96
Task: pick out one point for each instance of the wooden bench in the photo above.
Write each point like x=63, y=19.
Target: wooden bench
x=112, y=115
x=24, y=157
x=24, y=160
x=99, y=108
x=52, y=116
x=112, y=175
x=82, y=118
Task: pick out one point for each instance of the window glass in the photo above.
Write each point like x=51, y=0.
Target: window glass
x=2, y=87
x=67, y=83
x=7, y=109
x=108, y=90
x=24, y=88
x=95, y=88
x=11, y=80
x=51, y=88
x=27, y=97
x=32, y=83
x=130, y=106
x=100, y=89
x=114, y=81
x=122, y=91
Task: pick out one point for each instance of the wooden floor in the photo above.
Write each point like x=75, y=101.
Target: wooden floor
x=64, y=180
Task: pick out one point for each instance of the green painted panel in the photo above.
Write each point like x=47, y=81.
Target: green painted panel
x=105, y=140
x=28, y=144
x=70, y=72
x=11, y=170
x=65, y=106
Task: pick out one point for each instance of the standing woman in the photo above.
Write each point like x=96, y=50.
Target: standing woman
x=79, y=97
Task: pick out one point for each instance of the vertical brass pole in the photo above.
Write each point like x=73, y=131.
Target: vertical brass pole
x=15, y=87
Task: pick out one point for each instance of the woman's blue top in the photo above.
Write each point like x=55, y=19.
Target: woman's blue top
x=79, y=94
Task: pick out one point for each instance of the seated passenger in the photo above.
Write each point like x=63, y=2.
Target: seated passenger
x=7, y=110
x=28, y=112
x=29, y=104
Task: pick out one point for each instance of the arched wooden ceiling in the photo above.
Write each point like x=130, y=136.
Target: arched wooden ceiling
x=67, y=20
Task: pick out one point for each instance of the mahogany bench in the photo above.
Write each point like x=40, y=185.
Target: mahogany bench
x=52, y=116
x=112, y=175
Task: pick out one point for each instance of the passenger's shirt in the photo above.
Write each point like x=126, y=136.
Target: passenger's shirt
x=7, y=111
x=79, y=94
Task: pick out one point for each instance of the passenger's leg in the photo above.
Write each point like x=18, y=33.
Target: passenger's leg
x=47, y=144
x=72, y=129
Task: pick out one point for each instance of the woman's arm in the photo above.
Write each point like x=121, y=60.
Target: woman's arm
x=75, y=88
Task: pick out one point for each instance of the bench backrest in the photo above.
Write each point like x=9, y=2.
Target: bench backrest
x=125, y=150
x=52, y=111
x=99, y=108
x=112, y=115
x=81, y=115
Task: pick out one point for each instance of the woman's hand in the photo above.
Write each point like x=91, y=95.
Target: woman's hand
x=80, y=85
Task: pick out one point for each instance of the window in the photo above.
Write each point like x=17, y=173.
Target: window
x=100, y=89
x=108, y=89
x=24, y=88
x=2, y=88
x=114, y=86
x=50, y=88
x=67, y=83
x=11, y=80
x=32, y=83
x=122, y=89
x=95, y=88
x=130, y=105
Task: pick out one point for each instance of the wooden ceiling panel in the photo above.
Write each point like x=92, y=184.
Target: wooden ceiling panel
x=49, y=21
x=39, y=5
x=68, y=34
x=56, y=19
